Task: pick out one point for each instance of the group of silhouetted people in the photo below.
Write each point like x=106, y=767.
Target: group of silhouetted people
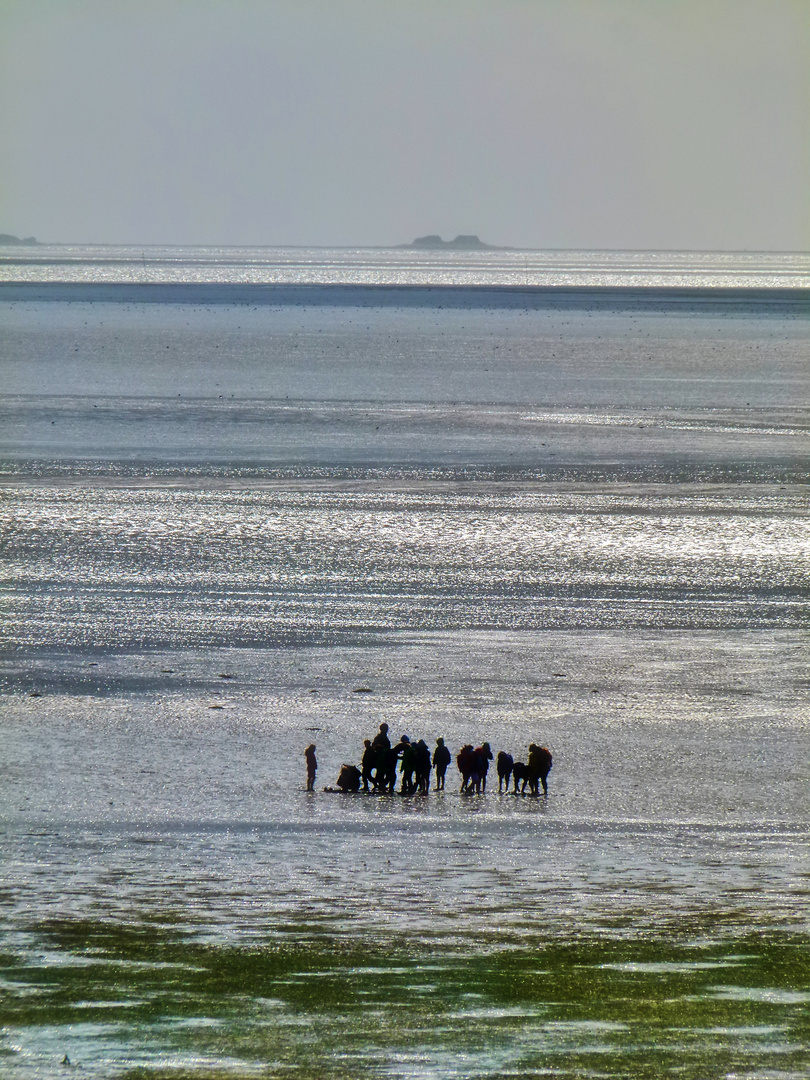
x=378, y=768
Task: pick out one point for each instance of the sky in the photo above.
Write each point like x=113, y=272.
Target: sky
x=669, y=124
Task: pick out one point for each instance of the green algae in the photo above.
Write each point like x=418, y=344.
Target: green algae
x=320, y=1004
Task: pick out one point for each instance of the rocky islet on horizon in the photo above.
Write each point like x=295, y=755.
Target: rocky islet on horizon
x=461, y=243
x=27, y=241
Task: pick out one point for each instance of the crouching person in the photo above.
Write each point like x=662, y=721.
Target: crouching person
x=349, y=779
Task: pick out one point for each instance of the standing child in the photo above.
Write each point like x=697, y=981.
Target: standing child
x=312, y=766
x=369, y=764
x=441, y=759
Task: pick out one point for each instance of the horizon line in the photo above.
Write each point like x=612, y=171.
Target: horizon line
x=408, y=246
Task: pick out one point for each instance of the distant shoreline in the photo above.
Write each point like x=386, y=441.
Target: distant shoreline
x=461, y=243
x=152, y=246
x=7, y=240
x=669, y=298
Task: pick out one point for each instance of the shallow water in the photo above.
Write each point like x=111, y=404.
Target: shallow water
x=335, y=266
x=251, y=566
x=588, y=529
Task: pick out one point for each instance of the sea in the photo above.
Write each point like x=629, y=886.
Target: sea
x=256, y=498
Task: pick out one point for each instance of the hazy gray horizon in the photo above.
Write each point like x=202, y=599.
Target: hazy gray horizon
x=547, y=125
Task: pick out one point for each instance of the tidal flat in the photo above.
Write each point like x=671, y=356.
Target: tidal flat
x=315, y=1003
x=174, y=902
x=233, y=529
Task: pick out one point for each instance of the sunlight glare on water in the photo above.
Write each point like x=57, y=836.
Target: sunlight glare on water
x=231, y=530
x=384, y=266
x=122, y=566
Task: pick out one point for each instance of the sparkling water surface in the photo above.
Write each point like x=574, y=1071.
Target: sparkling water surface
x=231, y=531
x=401, y=266
x=121, y=566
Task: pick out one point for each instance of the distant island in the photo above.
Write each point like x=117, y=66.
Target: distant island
x=7, y=238
x=461, y=243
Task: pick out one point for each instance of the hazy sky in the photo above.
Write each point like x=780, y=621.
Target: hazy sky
x=534, y=123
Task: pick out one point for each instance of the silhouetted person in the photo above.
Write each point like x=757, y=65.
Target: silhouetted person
x=539, y=765
x=467, y=761
x=369, y=764
x=403, y=752
x=441, y=759
x=312, y=766
x=381, y=740
x=422, y=770
x=520, y=775
x=381, y=745
x=504, y=763
x=409, y=763
x=387, y=770
x=484, y=755
x=349, y=779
